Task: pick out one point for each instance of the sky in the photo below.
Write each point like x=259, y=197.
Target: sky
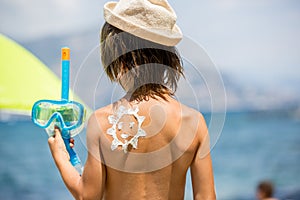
x=255, y=40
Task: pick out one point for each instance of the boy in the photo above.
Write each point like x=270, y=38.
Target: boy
x=141, y=146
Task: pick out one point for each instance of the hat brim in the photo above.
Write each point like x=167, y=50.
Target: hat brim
x=160, y=36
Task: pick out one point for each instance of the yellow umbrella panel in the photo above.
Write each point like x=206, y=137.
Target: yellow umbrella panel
x=24, y=79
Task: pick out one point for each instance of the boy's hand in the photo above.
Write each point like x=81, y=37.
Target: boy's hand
x=58, y=148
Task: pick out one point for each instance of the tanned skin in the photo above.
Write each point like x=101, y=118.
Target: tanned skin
x=165, y=120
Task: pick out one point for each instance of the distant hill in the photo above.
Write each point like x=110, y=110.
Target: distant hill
x=85, y=59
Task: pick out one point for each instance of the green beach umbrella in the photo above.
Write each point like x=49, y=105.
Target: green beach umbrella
x=24, y=79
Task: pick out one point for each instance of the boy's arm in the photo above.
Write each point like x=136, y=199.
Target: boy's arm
x=90, y=185
x=201, y=167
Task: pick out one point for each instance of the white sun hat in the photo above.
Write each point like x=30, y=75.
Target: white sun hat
x=153, y=20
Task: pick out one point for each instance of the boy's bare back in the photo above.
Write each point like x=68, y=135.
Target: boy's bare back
x=157, y=169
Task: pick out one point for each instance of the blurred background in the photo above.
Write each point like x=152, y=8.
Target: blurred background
x=255, y=46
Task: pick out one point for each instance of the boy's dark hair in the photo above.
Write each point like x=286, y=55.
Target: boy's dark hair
x=266, y=188
x=154, y=68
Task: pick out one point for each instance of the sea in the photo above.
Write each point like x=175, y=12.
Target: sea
x=253, y=146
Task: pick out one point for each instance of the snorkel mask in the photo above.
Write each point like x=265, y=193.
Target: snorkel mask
x=69, y=116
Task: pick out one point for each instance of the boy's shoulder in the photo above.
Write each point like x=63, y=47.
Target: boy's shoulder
x=190, y=112
x=99, y=115
x=193, y=118
x=103, y=112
